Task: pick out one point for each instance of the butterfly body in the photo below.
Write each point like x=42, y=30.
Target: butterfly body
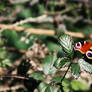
x=86, y=49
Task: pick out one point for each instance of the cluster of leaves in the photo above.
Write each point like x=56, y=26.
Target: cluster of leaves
x=76, y=20
x=51, y=64
x=4, y=59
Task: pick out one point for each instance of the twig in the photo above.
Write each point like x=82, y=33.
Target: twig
x=64, y=77
x=61, y=12
x=37, y=19
x=44, y=31
x=29, y=30
x=15, y=76
x=17, y=1
x=66, y=72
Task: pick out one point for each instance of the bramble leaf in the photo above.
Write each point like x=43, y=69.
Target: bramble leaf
x=66, y=43
x=52, y=89
x=37, y=76
x=75, y=70
x=48, y=64
x=85, y=65
x=61, y=62
x=57, y=79
x=75, y=84
x=42, y=87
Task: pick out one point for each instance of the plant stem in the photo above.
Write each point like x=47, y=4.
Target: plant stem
x=64, y=77
x=15, y=76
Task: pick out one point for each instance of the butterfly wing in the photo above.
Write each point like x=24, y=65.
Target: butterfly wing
x=86, y=46
x=86, y=50
x=89, y=53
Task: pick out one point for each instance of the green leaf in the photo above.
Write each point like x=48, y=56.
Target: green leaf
x=56, y=89
x=52, y=89
x=2, y=7
x=20, y=45
x=85, y=65
x=3, y=53
x=5, y=62
x=53, y=46
x=75, y=70
x=41, y=9
x=57, y=79
x=42, y=87
x=66, y=43
x=66, y=85
x=11, y=35
x=25, y=13
x=48, y=64
x=48, y=89
x=51, y=3
x=13, y=40
x=61, y=62
x=2, y=42
x=37, y=76
x=79, y=86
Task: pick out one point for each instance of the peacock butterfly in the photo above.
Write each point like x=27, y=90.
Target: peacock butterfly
x=85, y=48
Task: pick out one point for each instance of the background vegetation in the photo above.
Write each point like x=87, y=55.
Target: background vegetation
x=36, y=45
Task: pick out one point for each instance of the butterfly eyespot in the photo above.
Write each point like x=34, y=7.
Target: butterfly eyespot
x=89, y=54
x=78, y=45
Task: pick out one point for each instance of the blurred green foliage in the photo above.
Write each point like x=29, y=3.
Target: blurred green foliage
x=78, y=18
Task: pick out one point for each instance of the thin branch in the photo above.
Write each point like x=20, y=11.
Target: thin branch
x=64, y=77
x=15, y=76
x=61, y=12
x=17, y=1
x=30, y=19
x=66, y=72
x=44, y=31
